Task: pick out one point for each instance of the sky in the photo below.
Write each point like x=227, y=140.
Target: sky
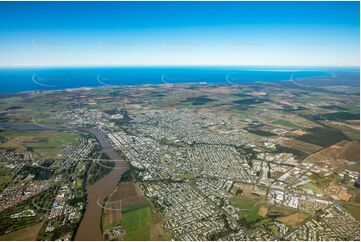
x=179, y=33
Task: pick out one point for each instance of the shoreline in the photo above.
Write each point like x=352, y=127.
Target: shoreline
x=83, y=78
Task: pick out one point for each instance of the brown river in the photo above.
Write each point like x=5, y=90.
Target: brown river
x=89, y=228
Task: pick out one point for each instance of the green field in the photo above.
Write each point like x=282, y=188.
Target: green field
x=188, y=175
x=249, y=208
x=280, y=211
x=137, y=223
x=287, y=124
x=353, y=134
x=5, y=175
x=353, y=209
x=43, y=143
x=242, y=203
x=52, y=143
x=312, y=187
x=322, y=182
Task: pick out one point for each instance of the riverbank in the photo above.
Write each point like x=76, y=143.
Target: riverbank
x=89, y=228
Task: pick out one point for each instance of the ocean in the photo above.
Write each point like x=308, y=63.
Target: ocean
x=13, y=80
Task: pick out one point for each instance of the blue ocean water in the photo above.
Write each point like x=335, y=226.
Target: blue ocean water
x=14, y=80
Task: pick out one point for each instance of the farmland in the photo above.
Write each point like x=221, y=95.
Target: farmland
x=338, y=155
x=42, y=143
x=29, y=233
x=294, y=219
x=137, y=223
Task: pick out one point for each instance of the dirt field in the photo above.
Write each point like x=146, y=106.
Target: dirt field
x=156, y=231
x=352, y=126
x=27, y=234
x=263, y=211
x=112, y=212
x=127, y=194
x=338, y=156
x=338, y=192
x=294, y=219
x=298, y=132
x=216, y=90
x=247, y=190
x=16, y=143
x=298, y=145
x=242, y=189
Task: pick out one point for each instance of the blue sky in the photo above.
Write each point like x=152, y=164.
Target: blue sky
x=179, y=33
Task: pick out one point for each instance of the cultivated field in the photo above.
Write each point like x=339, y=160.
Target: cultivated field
x=42, y=143
x=111, y=213
x=338, y=192
x=302, y=146
x=124, y=203
x=28, y=234
x=339, y=156
x=137, y=223
x=293, y=220
x=263, y=211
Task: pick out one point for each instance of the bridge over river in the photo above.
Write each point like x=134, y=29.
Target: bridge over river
x=89, y=228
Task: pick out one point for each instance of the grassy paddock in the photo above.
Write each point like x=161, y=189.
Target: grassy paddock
x=137, y=223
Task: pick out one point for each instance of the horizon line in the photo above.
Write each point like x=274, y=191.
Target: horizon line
x=180, y=65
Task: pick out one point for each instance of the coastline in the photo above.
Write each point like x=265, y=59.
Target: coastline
x=29, y=80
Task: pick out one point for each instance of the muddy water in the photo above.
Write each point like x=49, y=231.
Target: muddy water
x=89, y=228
